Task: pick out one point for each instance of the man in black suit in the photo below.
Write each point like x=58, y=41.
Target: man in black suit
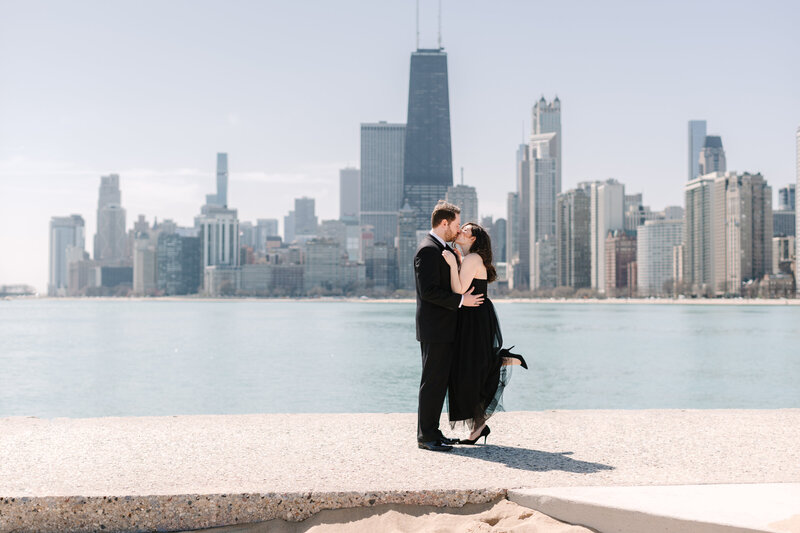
x=437, y=306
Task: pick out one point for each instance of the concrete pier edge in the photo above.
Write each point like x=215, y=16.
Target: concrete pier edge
x=176, y=473
x=177, y=512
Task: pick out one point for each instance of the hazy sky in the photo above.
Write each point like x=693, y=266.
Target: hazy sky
x=152, y=90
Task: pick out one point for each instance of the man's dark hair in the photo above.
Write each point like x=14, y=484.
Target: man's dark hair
x=443, y=211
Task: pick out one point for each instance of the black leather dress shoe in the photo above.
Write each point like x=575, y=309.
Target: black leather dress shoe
x=445, y=440
x=434, y=446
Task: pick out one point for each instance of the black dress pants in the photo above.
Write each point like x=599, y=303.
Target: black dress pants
x=436, y=358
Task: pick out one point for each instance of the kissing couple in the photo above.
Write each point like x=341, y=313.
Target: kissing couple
x=458, y=331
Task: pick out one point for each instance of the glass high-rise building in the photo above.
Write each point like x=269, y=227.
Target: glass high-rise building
x=499, y=240
x=466, y=198
x=783, y=223
x=512, y=237
x=110, y=241
x=288, y=228
x=542, y=212
x=544, y=166
x=797, y=220
x=697, y=137
x=712, y=156
x=65, y=233
x=606, y=215
x=381, y=190
x=428, y=161
x=407, y=245
x=519, y=277
x=222, y=179
x=305, y=218
x=265, y=227
x=220, y=199
x=547, y=119
x=544, y=185
x=573, y=253
x=786, y=198
x=179, y=259
x=349, y=194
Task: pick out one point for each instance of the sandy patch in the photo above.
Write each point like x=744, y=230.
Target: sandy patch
x=790, y=525
x=502, y=516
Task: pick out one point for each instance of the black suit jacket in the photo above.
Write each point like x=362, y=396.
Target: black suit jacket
x=436, y=302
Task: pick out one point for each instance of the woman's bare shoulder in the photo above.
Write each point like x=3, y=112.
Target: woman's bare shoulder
x=472, y=258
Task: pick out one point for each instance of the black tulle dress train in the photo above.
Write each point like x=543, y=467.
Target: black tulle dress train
x=477, y=375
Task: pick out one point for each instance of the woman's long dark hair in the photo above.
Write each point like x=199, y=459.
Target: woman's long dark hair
x=483, y=247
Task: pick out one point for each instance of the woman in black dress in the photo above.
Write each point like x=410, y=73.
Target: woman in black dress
x=481, y=367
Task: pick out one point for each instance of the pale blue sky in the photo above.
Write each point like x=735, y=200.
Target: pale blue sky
x=152, y=90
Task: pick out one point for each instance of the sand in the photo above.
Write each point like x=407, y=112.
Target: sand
x=501, y=516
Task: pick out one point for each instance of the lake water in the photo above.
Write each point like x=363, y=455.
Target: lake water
x=86, y=358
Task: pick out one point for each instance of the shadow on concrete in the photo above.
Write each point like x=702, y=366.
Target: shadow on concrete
x=531, y=460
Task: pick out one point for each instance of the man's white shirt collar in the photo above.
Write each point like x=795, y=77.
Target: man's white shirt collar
x=438, y=238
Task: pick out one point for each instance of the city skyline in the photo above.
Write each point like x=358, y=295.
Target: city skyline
x=55, y=141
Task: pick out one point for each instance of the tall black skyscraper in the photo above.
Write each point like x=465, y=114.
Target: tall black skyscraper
x=428, y=160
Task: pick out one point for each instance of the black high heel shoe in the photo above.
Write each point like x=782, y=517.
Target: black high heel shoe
x=506, y=352
x=484, y=433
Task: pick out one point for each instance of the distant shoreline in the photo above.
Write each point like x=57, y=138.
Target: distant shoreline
x=585, y=301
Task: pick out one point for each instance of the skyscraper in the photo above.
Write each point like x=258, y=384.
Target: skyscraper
x=110, y=240
x=783, y=223
x=427, y=163
x=547, y=119
x=698, y=258
x=145, y=243
x=697, y=137
x=179, y=262
x=265, y=227
x=786, y=198
x=288, y=228
x=573, y=253
x=381, y=189
x=512, y=237
x=499, y=240
x=305, y=218
x=349, y=194
x=712, y=156
x=65, y=233
x=323, y=265
x=544, y=166
x=742, y=247
x=519, y=274
x=466, y=198
x=219, y=238
x=656, y=241
x=797, y=214
x=406, y=247
x=544, y=186
x=220, y=199
x=620, y=250
x=222, y=179
x=606, y=211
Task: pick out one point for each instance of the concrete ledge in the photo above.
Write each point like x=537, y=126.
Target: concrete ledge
x=190, y=472
x=196, y=511
x=757, y=508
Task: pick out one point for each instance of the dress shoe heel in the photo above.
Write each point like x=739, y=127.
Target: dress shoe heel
x=484, y=433
x=507, y=353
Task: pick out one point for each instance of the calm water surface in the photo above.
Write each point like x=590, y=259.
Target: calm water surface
x=78, y=358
